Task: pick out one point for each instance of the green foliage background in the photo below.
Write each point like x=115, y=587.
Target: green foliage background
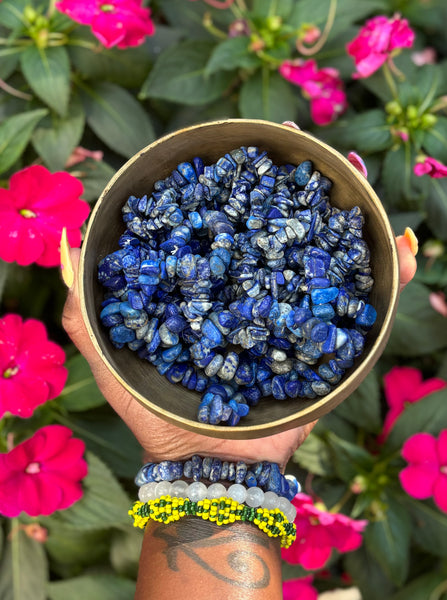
x=64, y=89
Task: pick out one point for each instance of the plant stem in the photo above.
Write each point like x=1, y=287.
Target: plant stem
x=273, y=8
x=4, y=270
x=51, y=8
x=439, y=591
x=390, y=80
x=310, y=51
x=339, y=505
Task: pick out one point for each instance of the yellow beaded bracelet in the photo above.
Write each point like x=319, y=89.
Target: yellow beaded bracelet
x=221, y=511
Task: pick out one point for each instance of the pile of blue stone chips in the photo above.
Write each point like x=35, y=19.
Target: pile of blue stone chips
x=239, y=280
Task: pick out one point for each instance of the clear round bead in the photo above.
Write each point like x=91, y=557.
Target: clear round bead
x=163, y=488
x=238, y=492
x=270, y=500
x=147, y=492
x=283, y=504
x=255, y=497
x=290, y=513
x=216, y=490
x=179, y=488
x=196, y=491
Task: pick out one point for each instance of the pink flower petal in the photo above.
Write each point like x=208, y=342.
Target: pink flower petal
x=358, y=162
x=299, y=589
x=418, y=480
x=399, y=384
x=420, y=448
x=73, y=451
x=440, y=492
x=441, y=448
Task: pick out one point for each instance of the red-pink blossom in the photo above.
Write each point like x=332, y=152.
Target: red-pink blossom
x=33, y=212
x=299, y=589
x=426, y=474
x=426, y=56
x=42, y=474
x=430, y=166
x=318, y=532
x=31, y=366
x=379, y=39
x=80, y=154
x=402, y=386
x=324, y=87
x=121, y=23
x=357, y=161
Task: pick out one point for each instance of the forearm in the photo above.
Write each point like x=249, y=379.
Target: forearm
x=192, y=558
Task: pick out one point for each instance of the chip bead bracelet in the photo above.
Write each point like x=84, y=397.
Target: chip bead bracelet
x=239, y=280
x=264, y=475
x=222, y=511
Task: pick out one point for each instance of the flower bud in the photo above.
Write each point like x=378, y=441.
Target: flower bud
x=428, y=120
x=393, y=108
x=412, y=112
x=359, y=484
x=433, y=249
x=29, y=14
x=273, y=23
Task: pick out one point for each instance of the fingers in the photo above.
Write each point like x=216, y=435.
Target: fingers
x=407, y=247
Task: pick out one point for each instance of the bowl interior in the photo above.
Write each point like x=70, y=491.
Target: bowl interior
x=210, y=141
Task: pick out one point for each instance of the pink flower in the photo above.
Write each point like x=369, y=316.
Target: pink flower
x=324, y=88
x=80, y=154
x=427, y=56
x=377, y=41
x=31, y=367
x=318, y=532
x=426, y=474
x=121, y=23
x=438, y=302
x=432, y=167
x=404, y=385
x=299, y=589
x=42, y=474
x=358, y=162
x=33, y=213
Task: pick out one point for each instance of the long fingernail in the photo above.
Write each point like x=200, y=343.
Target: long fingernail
x=412, y=240
x=66, y=264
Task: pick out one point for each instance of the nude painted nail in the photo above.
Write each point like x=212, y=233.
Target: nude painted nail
x=66, y=264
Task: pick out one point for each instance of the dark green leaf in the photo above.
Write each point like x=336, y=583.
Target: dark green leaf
x=429, y=526
x=315, y=456
x=109, y=438
x=97, y=587
x=47, y=71
x=399, y=221
x=435, y=140
x=164, y=38
x=231, y=54
x=188, y=16
x=23, y=568
x=388, y=540
x=11, y=13
x=70, y=550
x=349, y=459
x=129, y=68
x=266, y=95
x=224, y=108
x=80, y=392
x=265, y=8
x=125, y=550
x=15, y=133
x=333, y=423
x=418, y=329
x=368, y=575
x=117, y=118
x=426, y=587
x=55, y=137
x=436, y=206
x=362, y=407
x=401, y=186
x=8, y=64
x=104, y=503
x=428, y=414
x=370, y=132
x=94, y=175
x=179, y=75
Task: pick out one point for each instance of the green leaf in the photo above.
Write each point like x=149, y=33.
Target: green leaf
x=315, y=456
x=428, y=414
x=117, y=118
x=55, y=137
x=15, y=133
x=129, y=68
x=189, y=16
x=370, y=131
x=266, y=95
x=399, y=221
x=362, y=407
x=231, y=54
x=23, y=568
x=94, y=175
x=418, y=329
x=333, y=423
x=436, y=206
x=11, y=13
x=425, y=587
x=125, y=550
x=8, y=64
x=104, y=503
x=70, y=550
x=179, y=75
x=265, y=8
x=349, y=459
x=81, y=391
x=429, y=526
x=107, y=437
x=435, y=140
x=368, y=575
x=97, y=587
x=47, y=71
x=388, y=540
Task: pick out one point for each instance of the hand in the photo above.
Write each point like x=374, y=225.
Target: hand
x=164, y=441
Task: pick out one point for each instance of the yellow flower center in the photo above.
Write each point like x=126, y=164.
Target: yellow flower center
x=107, y=7
x=32, y=468
x=10, y=372
x=27, y=213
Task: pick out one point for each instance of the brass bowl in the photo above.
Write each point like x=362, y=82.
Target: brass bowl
x=173, y=402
